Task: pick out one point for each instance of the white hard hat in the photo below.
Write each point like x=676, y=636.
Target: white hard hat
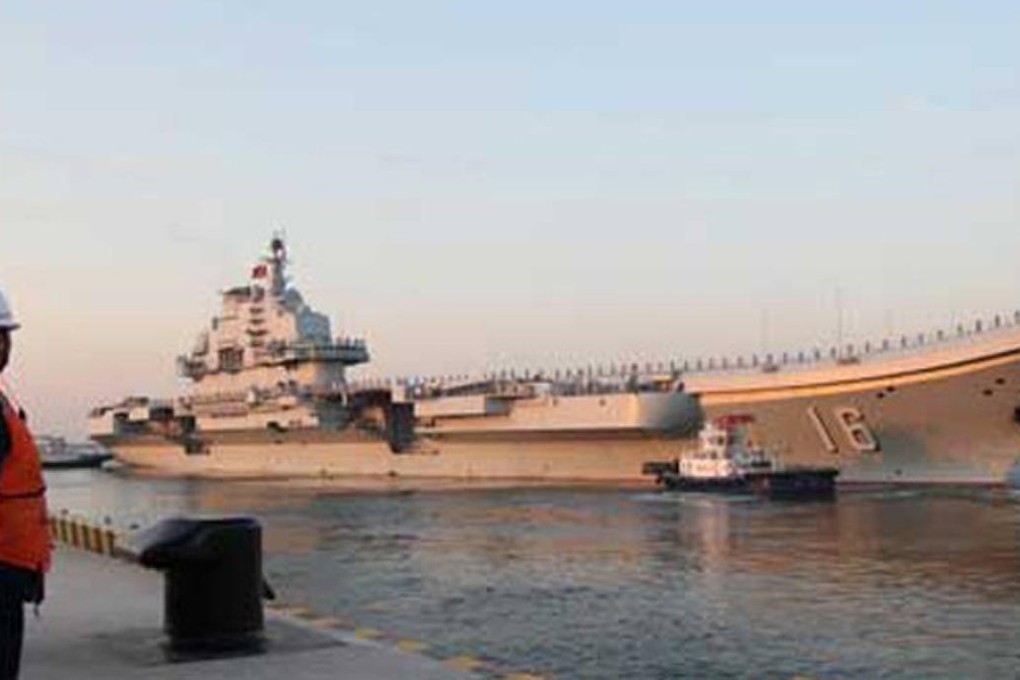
x=7, y=321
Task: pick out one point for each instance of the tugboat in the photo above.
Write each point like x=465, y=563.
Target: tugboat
x=726, y=462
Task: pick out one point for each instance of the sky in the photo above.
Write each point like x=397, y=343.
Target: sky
x=494, y=185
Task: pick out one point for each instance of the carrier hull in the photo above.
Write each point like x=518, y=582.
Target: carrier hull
x=951, y=423
x=604, y=457
x=948, y=423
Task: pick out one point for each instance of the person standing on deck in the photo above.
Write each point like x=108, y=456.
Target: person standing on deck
x=24, y=534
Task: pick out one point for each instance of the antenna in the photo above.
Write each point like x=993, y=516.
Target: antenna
x=839, y=323
x=278, y=261
x=281, y=233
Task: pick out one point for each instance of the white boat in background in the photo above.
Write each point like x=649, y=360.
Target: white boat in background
x=56, y=453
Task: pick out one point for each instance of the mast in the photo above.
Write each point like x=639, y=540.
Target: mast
x=278, y=265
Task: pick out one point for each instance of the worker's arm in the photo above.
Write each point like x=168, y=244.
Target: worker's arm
x=5, y=439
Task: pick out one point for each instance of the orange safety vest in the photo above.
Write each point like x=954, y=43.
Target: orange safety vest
x=24, y=532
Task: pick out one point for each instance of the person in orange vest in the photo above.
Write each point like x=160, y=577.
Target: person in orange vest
x=24, y=534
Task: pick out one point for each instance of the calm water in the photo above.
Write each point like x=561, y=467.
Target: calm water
x=597, y=583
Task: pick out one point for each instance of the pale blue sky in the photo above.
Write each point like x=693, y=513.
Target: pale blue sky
x=497, y=184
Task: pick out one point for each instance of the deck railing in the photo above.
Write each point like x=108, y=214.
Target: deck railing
x=654, y=375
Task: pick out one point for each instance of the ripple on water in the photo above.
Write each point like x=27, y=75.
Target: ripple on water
x=597, y=583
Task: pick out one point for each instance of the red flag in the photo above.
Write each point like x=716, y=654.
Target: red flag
x=259, y=272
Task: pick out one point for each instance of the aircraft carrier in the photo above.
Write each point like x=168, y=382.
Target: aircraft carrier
x=270, y=395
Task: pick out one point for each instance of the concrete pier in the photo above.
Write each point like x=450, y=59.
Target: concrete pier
x=103, y=617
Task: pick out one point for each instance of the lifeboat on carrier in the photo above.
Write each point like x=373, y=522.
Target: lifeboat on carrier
x=725, y=461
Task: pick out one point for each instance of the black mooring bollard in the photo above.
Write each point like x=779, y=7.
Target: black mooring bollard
x=213, y=582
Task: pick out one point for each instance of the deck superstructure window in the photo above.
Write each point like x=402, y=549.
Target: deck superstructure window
x=231, y=359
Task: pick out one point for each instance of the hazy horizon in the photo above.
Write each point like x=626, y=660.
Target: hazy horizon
x=475, y=187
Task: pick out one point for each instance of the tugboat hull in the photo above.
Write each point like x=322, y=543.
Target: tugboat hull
x=784, y=484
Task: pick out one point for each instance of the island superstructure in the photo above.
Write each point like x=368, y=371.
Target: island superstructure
x=270, y=395
x=267, y=361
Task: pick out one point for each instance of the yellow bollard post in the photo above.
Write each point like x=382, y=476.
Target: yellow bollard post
x=86, y=534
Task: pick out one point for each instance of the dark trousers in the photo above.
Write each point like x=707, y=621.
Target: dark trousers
x=15, y=584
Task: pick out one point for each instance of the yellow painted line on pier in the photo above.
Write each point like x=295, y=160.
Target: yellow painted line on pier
x=464, y=663
x=326, y=622
x=306, y=614
x=412, y=646
x=341, y=622
x=522, y=676
x=294, y=610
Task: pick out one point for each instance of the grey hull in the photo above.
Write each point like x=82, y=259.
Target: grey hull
x=948, y=416
x=953, y=425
